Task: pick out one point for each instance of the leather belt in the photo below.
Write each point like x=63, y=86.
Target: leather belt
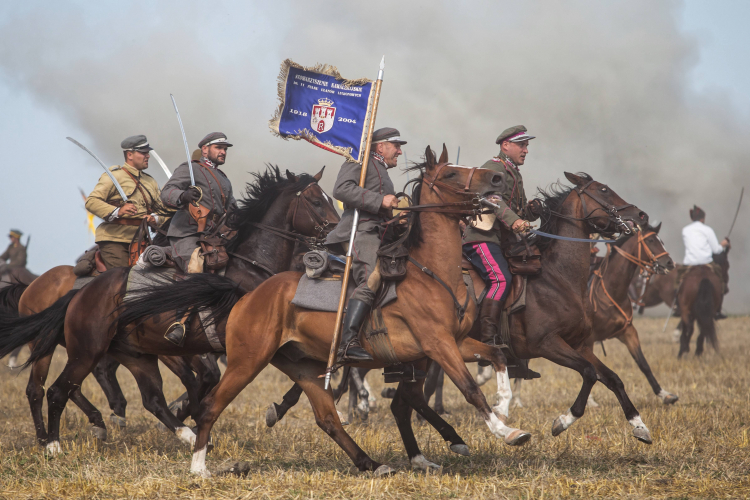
x=127, y=222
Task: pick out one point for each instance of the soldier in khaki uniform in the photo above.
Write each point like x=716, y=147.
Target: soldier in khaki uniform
x=15, y=254
x=121, y=221
x=482, y=239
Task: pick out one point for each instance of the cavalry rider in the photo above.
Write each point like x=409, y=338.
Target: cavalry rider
x=701, y=244
x=212, y=190
x=121, y=221
x=14, y=255
x=374, y=201
x=482, y=238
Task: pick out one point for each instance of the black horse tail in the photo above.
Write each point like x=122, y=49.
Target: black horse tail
x=44, y=328
x=10, y=296
x=171, y=299
x=704, y=310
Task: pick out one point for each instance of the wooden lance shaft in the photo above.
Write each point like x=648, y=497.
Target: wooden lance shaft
x=348, y=267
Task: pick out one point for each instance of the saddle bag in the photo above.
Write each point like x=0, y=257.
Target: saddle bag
x=213, y=247
x=393, y=260
x=523, y=259
x=140, y=241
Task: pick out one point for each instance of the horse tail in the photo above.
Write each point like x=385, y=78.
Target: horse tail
x=704, y=310
x=170, y=299
x=10, y=296
x=44, y=328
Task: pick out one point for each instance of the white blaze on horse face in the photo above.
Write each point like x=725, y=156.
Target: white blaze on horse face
x=198, y=465
x=186, y=435
x=504, y=392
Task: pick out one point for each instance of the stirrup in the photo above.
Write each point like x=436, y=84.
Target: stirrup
x=342, y=355
x=171, y=334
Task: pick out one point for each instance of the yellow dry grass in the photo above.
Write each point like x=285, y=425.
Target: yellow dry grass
x=701, y=445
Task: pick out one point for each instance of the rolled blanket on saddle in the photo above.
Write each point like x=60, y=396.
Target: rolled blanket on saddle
x=154, y=255
x=317, y=262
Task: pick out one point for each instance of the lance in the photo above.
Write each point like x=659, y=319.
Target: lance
x=736, y=213
x=106, y=170
x=161, y=163
x=28, y=240
x=184, y=139
x=345, y=281
x=458, y=155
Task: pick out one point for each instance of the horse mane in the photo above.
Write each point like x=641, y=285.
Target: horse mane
x=259, y=196
x=415, y=236
x=553, y=197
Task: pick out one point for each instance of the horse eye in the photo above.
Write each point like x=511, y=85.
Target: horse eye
x=604, y=189
x=450, y=175
x=317, y=203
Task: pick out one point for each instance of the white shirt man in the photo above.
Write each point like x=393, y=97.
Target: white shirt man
x=700, y=240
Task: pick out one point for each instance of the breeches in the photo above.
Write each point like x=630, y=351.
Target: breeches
x=490, y=263
x=182, y=249
x=364, y=259
x=114, y=254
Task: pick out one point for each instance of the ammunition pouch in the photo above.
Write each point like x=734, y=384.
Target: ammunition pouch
x=523, y=259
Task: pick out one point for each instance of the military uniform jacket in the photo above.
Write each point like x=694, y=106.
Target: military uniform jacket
x=512, y=206
x=105, y=198
x=216, y=197
x=15, y=254
x=368, y=200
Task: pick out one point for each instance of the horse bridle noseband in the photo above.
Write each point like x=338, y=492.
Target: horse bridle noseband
x=611, y=210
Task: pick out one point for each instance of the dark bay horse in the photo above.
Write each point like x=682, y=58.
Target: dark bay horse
x=275, y=213
x=699, y=296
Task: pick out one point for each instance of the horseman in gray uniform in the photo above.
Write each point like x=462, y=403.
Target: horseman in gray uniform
x=212, y=190
x=374, y=201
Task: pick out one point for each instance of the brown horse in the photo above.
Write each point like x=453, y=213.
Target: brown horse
x=699, y=296
x=274, y=207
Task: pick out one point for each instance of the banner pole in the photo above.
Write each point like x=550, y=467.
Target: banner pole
x=345, y=281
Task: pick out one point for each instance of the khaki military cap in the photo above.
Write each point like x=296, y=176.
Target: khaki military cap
x=16, y=233
x=514, y=134
x=387, y=134
x=214, y=138
x=136, y=143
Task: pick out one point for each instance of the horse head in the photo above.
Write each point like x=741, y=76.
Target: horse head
x=455, y=183
x=603, y=209
x=312, y=213
x=648, y=249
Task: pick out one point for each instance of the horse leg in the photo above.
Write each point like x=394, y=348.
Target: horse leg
x=431, y=382
x=448, y=356
x=208, y=372
x=630, y=338
x=515, y=400
x=306, y=374
x=105, y=373
x=473, y=350
x=555, y=349
x=276, y=412
x=352, y=400
x=185, y=405
x=35, y=395
x=687, y=333
x=439, y=408
x=363, y=406
x=614, y=384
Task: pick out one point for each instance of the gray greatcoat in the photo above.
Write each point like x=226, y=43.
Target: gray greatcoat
x=369, y=201
x=183, y=231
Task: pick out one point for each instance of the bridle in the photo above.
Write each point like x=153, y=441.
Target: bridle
x=648, y=266
x=322, y=225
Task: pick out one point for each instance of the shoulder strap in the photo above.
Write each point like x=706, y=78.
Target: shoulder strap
x=223, y=198
x=141, y=189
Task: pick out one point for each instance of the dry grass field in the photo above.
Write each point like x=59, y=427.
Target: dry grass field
x=701, y=445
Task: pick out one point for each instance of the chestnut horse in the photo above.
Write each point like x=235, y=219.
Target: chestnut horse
x=273, y=208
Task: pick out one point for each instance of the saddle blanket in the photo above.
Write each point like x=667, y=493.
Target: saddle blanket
x=323, y=294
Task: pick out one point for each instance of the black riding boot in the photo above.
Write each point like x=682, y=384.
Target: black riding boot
x=489, y=324
x=349, y=350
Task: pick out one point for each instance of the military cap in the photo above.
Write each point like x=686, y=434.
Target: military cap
x=514, y=134
x=214, y=138
x=387, y=134
x=697, y=213
x=136, y=143
x=16, y=233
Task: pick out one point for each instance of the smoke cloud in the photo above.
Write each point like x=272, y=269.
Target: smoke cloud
x=603, y=85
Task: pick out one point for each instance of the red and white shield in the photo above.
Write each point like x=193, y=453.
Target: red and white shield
x=323, y=114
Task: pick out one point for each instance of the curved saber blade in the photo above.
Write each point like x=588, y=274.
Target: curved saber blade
x=184, y=139
x=161, y=163
x=106, y=170
x=737, y=212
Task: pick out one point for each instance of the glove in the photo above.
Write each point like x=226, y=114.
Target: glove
x=190, y=195
x=535, y=207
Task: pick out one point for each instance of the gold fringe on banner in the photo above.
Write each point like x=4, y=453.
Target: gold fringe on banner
x=308, y=135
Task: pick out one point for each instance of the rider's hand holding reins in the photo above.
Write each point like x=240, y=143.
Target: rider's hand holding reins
x=389, y=201
x=520, y=226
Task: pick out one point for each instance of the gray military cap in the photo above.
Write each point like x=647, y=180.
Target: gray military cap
x=387, y=134
x=214, y=138
x=514, y=134
x=136, y=143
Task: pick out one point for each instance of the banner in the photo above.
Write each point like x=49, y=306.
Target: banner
x=320, y=106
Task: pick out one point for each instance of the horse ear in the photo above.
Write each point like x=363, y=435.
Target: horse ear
x=429, y=158
x=319, y=175
x=291, y=176
x=657, y=228
x=575, y=179
x=444, y=155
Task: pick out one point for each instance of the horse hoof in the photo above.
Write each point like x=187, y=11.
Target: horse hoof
x=642, y=434
x=421, y=463
x=516, y=403
x=53, y=448
x=590, y=403
x=239, y=469
x=342, y=419
x=204, y=473
x=383, y=471
x=99, y=433
x=118, y=421
x=558, y=427
x=517, y=438
x=669, y=399
x=461, y=449
x=271, y=416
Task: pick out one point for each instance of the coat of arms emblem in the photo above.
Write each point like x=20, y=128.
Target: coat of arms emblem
x=322, y=115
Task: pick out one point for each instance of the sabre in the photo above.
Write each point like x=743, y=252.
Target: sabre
x=345, y=281
x=161, y=163
x=458, y=155
x=106, y=170
x=184, y=139
x=737, y=212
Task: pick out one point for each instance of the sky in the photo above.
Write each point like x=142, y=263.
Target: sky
x=649, y=97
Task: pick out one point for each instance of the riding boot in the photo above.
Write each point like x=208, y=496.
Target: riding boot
x=350, y=350
x=489, y=324
x=176, y=331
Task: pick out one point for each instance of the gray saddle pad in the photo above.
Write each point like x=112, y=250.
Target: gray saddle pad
x=323, y=294
x=82, y=281
x=138, y=280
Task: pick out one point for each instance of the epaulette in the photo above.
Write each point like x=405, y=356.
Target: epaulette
x=116, y=167
x=497, y=160
x=144, y=173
